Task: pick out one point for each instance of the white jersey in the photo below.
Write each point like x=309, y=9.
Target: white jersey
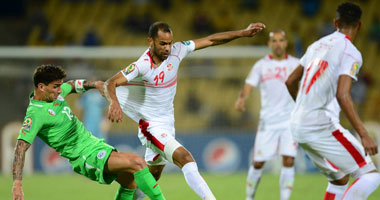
x=276, y=102
x=149, y=92
x=325, y=60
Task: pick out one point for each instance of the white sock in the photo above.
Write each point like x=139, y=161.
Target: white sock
x=196, y=182
x=286, y=182
x=253, y=179
x=139, y=195
x=362, y=187
x=335, y=192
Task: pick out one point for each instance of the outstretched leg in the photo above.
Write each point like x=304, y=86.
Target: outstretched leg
x=132, y=171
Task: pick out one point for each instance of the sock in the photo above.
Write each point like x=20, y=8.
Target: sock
x=335, y=192
x=196, y=182
x=124, y=194
x=146, y=182
x=362, y=187
x=286, y=182
x=139, y=195
x=253, y=179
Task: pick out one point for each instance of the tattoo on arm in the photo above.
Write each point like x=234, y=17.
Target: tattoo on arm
x=19, y=158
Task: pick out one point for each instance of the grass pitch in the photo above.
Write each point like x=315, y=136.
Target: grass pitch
x=224, y=186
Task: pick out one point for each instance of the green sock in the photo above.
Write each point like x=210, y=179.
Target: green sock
x=146, y=182
x=124, y=194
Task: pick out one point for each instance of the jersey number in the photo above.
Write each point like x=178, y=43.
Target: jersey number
x=66, y=110
x=317, y=66
x=160, y=76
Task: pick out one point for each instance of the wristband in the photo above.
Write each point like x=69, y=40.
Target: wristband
x=79, y=86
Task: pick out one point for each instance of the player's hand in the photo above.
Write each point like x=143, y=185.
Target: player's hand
x=240, y=104
x=370, y=146
x=253, y=29
x=99, y=85
x=115, y=113
x=17, y=193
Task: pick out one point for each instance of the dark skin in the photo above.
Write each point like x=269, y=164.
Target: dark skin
x=159, y=51
x=122, y=164
x=343, y=96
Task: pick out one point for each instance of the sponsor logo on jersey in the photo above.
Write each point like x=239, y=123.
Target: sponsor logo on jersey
x=60, y=98
x=27, y=124
x=129, y=69
x=169, y=67
x=101, y=154
x=51, y=112
x=354, y=69
x=186, y=43
x=164, y=135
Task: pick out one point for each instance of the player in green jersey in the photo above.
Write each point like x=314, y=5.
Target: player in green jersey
x=49, y=117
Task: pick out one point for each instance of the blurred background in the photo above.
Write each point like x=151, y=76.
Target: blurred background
x=95, y=39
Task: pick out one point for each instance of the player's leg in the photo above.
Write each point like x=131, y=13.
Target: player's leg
x=288, y=150
x=255, y=172
x=156, y=164
x=129, y=167
x=184, y=160
x=357, y=164
x=338, y=181
x=160, y=139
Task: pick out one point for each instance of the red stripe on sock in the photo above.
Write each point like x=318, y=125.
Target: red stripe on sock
x=144, y=130
x=329, y=196
x=350, y=148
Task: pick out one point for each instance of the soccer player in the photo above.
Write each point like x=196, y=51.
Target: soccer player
x=327, y=70
x=147, y=94
x=273, y=136
x=50, y=118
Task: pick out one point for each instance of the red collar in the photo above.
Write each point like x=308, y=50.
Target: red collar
x=271, y=57
x=151, y=59
x=348, y=38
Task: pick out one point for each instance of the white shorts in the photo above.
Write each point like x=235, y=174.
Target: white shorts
x=337, y=153
x=154, y=138
x=270, y=143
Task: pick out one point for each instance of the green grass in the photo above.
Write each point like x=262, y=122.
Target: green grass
x=225, y=187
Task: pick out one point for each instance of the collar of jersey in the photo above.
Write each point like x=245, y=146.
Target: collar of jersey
x=342, y=35
x=37, y=102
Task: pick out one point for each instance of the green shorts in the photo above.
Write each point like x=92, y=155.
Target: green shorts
x=93, y=161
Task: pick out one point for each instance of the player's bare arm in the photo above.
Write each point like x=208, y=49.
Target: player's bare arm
x=224, y=37
x=114, y=110
x=243, y=95
x=86, y=85
x=292, y=83
x=18, y=165
x=345, y=101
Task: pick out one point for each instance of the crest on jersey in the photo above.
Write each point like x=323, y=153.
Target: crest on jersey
x=354, y=69
x=27, y=124
x=51, y=112
x=129, y=69
x=60, y=98
x=186, y=43
x=169, y=67
x=101, y=154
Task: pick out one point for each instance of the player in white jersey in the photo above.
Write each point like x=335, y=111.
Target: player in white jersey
x=147, y=94
x=273, y=136
x=326, y=72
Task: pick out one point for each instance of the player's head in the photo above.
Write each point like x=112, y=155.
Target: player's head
x=348, y=16
x=278, y=42
x=47, y=81
x=160, y=39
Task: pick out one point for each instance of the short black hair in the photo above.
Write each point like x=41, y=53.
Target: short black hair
x=348, y=15
x=47, y=73
x=156, y=26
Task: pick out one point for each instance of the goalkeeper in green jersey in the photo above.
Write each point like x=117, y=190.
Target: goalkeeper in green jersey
x=49, y=117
